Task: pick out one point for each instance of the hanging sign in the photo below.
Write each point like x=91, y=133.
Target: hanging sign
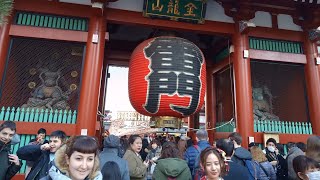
x=177, y=10
x=166, y=122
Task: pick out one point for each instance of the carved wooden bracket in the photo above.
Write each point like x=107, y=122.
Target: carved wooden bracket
x=314, y=35
x=244, y=26
x=309, y=17
x=239, y=10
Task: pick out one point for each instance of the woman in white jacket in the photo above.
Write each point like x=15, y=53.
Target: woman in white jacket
x=77, y=160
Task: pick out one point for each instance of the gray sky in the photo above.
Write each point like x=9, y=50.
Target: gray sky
x=117, y=98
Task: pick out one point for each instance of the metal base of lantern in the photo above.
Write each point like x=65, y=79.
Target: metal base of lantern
x=165, y=122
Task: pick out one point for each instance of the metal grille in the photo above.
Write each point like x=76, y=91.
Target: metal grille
x=279, y=90
x=29, y=57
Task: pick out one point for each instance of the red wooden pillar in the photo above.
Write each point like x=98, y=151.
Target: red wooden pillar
x=4, y=45
x=191, y=132
x=313, y=84
x=210, y=104
x=243, y=88
x=91, y=77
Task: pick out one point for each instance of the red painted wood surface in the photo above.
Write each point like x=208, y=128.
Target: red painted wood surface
x=277, y=56
x=258, y=137
x=48, y=33
x=279, y=34
x=32, y=128
x=51, y=7
x=210, y=27
x=313, y=84
x=210, y=104
x=222, y=64
x=284, y=138
x=4, y=45
x=91, y=77
x=243, y=89
x=191, y=133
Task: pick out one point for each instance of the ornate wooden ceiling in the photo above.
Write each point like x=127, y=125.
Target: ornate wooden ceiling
x=304, y=12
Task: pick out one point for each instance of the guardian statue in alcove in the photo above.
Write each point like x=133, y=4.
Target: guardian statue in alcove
x=49, y=95
x=262, y=104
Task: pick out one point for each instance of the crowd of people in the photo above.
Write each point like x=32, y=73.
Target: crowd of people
x=156, y=157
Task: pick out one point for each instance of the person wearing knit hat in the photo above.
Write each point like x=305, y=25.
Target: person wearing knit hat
x=111, y=145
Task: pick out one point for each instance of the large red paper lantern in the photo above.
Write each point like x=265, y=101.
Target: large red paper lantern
x=167, y=77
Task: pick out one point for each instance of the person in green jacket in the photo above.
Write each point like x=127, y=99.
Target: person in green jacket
x=171, y=165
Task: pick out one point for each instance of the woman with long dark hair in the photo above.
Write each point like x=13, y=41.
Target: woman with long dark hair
x=212, y=162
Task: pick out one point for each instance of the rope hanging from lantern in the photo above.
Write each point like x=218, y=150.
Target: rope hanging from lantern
x=99, y=113
x=229, y=122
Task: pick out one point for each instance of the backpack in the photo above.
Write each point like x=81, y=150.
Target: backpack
x=265, y=171
x=253, y=168
x=198, y=173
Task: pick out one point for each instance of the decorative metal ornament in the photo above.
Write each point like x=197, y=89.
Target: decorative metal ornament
x=165, y=122
x=244, y=26
x=32, y=85
x=167, y=77
x=314, y=35
x=73, y=87
x=32, y=71
x=74, y=74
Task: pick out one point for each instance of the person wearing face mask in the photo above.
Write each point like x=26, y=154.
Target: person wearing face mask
x=293, y=152
x=276, y=159
x=306, y=168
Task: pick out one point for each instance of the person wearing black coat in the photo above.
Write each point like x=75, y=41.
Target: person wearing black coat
x=275, y=157
x=145, y=145
x=9, y=163
x=42, y=155
x=236, y=171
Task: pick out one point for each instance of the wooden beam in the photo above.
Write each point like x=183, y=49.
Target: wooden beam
x=121, y=55
x=258, y=137
x=47, y=33
x=53, y=7
x=277, y=56
x=135, y=18
x=33, y=127
x=284, y=138
x=222, y=64
x=210, y=104
x=272, y=33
